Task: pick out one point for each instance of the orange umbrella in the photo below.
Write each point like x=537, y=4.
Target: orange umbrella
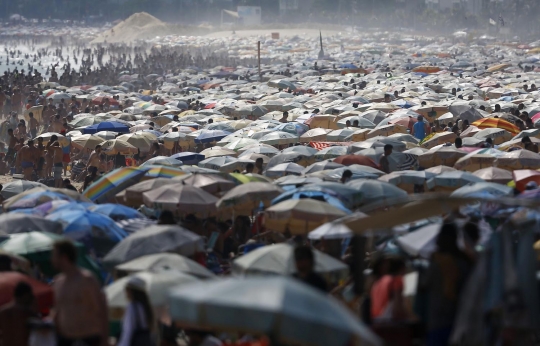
x=523, y=176
x=496, y=123
x=348, y=160
x=43, y=292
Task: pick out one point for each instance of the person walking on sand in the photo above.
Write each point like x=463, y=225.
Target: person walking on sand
x=58, y=165
x=34, y=124
x=94, y=161
x=80, y=310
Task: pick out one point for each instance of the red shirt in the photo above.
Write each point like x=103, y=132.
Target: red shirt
x=382, y=291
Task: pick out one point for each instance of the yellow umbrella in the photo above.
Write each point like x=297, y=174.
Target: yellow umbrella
x=438, y=138
x=498, y=67
x=360, y=135
x=117, y=146
x=86, y=141
x=324, y=121
x=300, y=216
x=161, y=120
x=218, y=151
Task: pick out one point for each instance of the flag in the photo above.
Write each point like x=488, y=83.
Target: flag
x=492, y=22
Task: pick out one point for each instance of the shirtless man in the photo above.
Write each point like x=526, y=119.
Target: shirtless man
x=40, y=150
x=11, y=146
x=27, y=157
x=56, y=124
x=94, y=161
x=80, y=311
x=57, y=156
x=33, y=123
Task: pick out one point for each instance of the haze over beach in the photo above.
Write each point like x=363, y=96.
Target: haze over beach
x=263, y=172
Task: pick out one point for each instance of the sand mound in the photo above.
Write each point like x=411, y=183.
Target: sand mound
x=139, y=26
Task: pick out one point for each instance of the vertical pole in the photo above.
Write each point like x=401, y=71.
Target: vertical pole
x=259, y=58
x=359, y=246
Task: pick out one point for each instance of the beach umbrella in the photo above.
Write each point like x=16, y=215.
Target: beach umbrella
x=518, y=159
x=315, y=192
x=16, y=187
x=260, y=148
x=42, y=293
x=421, y=242
x=363, y=123
x=245, y=198
x=290, y=157
x=282, y=169
x=522, y=176
x=116, y=212
x=376, y=190
x=278, y=259
x=348, y=160
x=162, y=161
x=379, y=142
x=301, y=149
x=279, y=138
x=166, y=261
x=86, y=141
x=217, y=163
x=154, y=240
x=98, y=232
x=387, y=130
x=494, y=175
x=40, y=195
x=438, y=139
x=446, y=156
x=494, y=190
x=299, y=216
x=211, y=183
x=477, y=159
x=239, y=143
x=47, y=137
x=157, y=286
x=208, y=136
x=496, y=123
x=90, y=120
x=252, y=110
x=11, y=223
x=498, y=136
x=117, y=146
x=321, y=166
x=313, y=135
x=217, y=151
x=111, y=183
x=182, y=200
x=451, y=181
x=106, y=135
x=358, y=172
x=278, y=306
x=250, y=178
x=331, y=152
x=106, y=126
x=143, y=143
x=332, y=230
x=406, y=180
x=339, y=135
x=37, y=247
x=188, y=158
x=162, y=172
x=133, y=195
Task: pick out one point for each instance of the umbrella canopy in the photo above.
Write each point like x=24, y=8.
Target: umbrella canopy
x=496, y=123
x=284, y=169
x=137, y=140
x=279, y=306
x=157, y=286
x=15, y=187
x=376, y=190
x=279, y=138
x=118, y=146
x=98, y=232
x=163, y=172
x=153, y=240
x=476, y=160
x=450, y=181
x=437, y=139
x=445, y=156
x=300, y=216
x=162, y=161
x=112, y=183
x=86, y=141
x=64, y=194
x=482, y=189
x=348, y=160
x=523, y=176
x=43, y=293
x=133, y=195
x=332, y=230
x=12, y=223
x=279, y=259
x=116, y=212
x=321, y=166
x=245, y=198
x=107, y=126
x=494, y=175
x=182, y=199
x=211, y=183
x=406, y=180
x=518, y=159
x=188, y=158
x=217, y=151
x=420, y=242
x=166, y=261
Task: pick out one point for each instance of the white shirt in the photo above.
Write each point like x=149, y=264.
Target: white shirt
x=134, y=319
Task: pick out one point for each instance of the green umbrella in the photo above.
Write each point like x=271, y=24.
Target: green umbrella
x=37, y=247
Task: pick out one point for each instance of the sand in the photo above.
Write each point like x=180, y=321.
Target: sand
x=268, y=32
